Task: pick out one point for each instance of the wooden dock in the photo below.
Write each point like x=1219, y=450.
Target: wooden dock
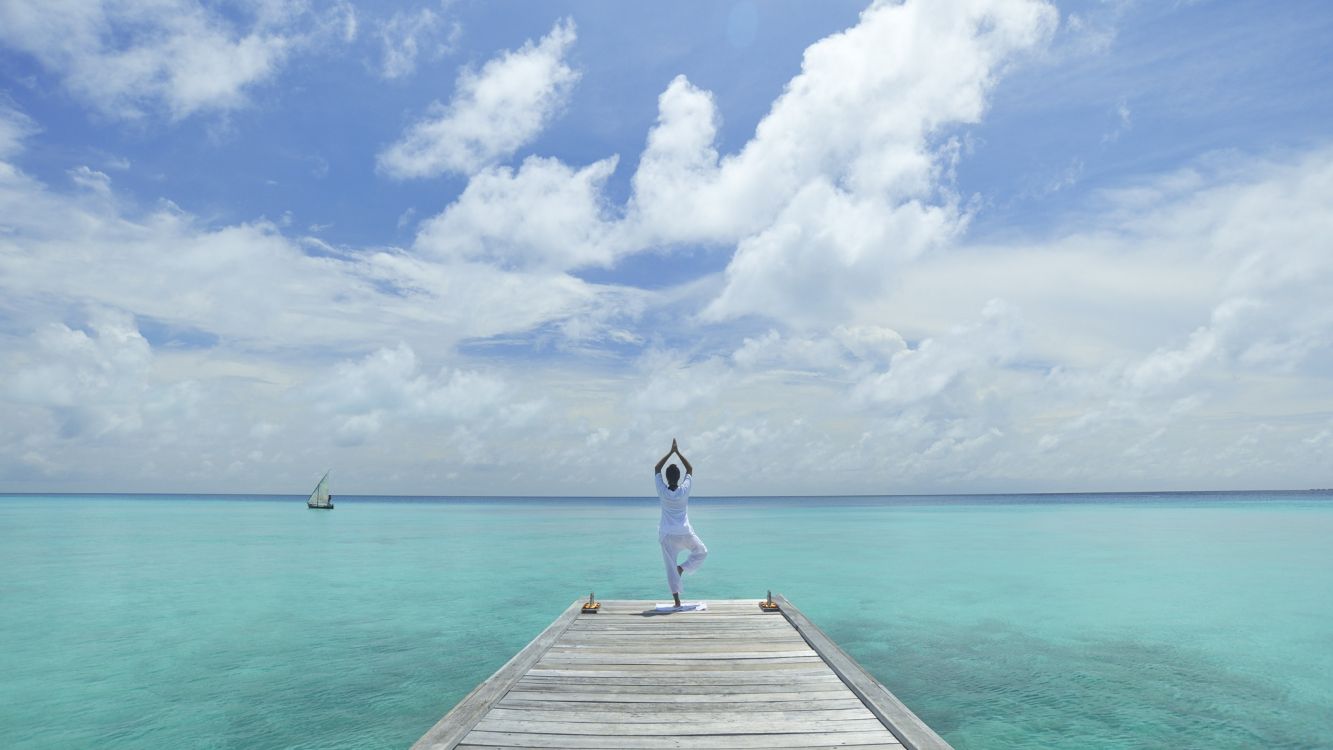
x=731, y=677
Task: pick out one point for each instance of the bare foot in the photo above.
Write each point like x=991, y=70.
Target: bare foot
x=677, y=596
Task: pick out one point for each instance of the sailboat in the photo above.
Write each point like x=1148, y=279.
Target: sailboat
x=321, y=498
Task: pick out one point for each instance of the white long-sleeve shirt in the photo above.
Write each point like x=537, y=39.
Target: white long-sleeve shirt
x=675, y=505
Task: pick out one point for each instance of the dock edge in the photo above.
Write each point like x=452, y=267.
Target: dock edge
x=910, y=730
x=455, y=725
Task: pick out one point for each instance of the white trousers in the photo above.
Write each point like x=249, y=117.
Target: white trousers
x=673, y=545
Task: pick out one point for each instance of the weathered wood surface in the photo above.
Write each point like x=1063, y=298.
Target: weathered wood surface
x=731, y=677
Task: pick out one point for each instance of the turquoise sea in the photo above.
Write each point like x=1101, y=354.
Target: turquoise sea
x=1048, y=621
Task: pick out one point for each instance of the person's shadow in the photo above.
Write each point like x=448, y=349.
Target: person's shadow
x=675, y=611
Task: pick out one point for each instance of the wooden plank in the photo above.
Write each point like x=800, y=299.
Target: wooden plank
x=641, y=606
x=670, y=629
x=662, y=701
x=777, y=671
x=673, y=713
x=720, y=743
x=629, y=677
x=691, y=621
x=873, y=739
x=632, y=629
x=910, y=730
x=665, y=742
x=672, y=728
x=454, y=725
x=681, y=648
x=758, y=681
x=684, y=639
x=757, y=684
x=684, y=664
x=695, y=645
x=663, y=623
x=700, y=694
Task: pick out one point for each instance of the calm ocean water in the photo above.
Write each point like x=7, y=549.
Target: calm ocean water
x=1102, y=621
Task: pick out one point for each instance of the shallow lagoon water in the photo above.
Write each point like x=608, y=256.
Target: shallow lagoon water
x=1077, y=621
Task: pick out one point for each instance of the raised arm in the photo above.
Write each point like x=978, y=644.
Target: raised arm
x=688, y=469
x=658, y=468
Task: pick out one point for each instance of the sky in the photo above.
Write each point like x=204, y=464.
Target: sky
x=514, y=248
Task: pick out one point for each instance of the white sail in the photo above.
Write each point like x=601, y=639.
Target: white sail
x=320, y=497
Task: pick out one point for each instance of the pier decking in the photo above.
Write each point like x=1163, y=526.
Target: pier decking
x=731, y=677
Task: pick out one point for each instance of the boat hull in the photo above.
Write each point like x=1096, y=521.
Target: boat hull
x=319, y=507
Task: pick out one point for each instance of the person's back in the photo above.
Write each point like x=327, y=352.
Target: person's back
x=675, y=504
x=674, y=532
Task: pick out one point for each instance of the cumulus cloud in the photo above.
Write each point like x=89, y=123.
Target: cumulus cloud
x=927, y=370
x=388, y=386
x=1174, y=337
x=90, y=380
x=494, y=111
x=842, y=182
x=825, y=253
x=128, y=59
x=842, y=179
x=679, y=160
x=544, y=215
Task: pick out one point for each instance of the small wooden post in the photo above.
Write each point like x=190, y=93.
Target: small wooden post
x=768, y=605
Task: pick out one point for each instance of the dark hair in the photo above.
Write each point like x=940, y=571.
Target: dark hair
x=672, y=474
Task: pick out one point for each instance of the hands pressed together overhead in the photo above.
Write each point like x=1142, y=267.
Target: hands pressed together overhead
x=676, y=450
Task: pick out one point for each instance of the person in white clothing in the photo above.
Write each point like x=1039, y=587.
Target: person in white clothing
x=673, y=530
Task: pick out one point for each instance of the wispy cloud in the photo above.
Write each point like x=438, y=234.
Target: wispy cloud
x=407, y=36
x=15, y=127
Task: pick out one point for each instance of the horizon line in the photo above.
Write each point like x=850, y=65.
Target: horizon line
x=1307, y=490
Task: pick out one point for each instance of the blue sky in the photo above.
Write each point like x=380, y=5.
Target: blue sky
x=507, y=248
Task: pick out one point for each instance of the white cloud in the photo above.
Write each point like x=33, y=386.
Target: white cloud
x=251, y=285
x=408, y=35
x=844, y=351
x=672, y=385
x=841, y=184
x=1181, y=331
x=825, y=253
x=922, y=373
x=679, y=161
x=545, y=215
x=1166, y=367
x=459, y=300
x=91, y=179
x=1124, y=122
x=15, y=127
x=847, y=148
x=350, y=25
x=388, y=387
x=265, y=327
x=92, y=381
x=1172, y=332
x=127, y=59
x=842, y=181
x=494, y=111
